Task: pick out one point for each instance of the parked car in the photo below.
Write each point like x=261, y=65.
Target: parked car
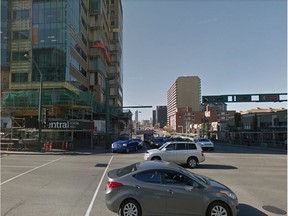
x=204, y=142
x=124, y=145
x=156, y=142
x=189, y=153
x=161, y=188
x=140, y=143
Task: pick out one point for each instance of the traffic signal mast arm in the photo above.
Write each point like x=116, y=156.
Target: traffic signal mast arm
x=270, y=97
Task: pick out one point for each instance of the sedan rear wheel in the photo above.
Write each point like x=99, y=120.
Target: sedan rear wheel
x=130, y=208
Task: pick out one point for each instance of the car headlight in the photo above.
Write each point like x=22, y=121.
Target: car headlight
x=125, y=144
x=229, y=194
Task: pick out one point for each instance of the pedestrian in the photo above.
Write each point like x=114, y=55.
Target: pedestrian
x=20, y=144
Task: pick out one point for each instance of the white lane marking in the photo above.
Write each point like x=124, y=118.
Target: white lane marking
x=96, y=192
x=30, y=171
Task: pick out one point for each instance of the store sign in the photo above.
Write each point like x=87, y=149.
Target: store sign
x=63, y=124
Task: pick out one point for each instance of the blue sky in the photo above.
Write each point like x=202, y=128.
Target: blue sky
x=234, y=46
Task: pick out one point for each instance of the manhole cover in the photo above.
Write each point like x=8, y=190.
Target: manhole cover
x=101, y=165
x=274, y=210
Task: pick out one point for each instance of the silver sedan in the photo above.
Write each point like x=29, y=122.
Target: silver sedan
x=162, y=188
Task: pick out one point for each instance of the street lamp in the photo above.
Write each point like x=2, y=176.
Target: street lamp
x=107, y=111
x=40, y=103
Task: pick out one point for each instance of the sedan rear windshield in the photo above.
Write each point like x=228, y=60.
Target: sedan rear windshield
x=126, y=170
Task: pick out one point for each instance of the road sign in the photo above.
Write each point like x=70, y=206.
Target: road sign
x=215, y=99
x=269, y=97
x=243, y=98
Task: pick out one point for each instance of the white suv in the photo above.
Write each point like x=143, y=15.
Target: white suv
x=205, y=143
x=184, y=152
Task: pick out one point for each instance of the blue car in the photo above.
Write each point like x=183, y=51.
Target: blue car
x=126, y=145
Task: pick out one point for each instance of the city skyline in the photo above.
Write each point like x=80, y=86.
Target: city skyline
x=235, y=47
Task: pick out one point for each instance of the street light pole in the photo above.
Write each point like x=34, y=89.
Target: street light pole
x=107, y=111
x=39, y=104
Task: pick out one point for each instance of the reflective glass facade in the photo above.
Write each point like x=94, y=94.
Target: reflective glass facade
x=49, y=40
x=4, y=32
x=52, y=40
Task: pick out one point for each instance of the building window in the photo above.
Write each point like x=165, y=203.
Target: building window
x=19, y=56
x=19, y=77
x=83, y=23
x=21, y=15
x=84, y=7
x=112, y=1
x=21, y=35
x=112, y=23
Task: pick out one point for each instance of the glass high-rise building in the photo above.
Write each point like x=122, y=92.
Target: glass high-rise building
x=77, y=47
x=53, y=36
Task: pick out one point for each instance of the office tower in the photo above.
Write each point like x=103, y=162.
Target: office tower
x=185, y=93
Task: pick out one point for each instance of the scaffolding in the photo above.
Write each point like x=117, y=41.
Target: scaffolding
x=58, y=105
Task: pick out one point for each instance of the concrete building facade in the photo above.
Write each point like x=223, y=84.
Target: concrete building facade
x=185, y=92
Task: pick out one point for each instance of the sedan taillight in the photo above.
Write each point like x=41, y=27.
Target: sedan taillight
x=112, y=185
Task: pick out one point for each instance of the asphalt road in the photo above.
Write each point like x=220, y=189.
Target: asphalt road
x=74, y=184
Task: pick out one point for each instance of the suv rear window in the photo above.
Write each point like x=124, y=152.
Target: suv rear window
x=191, y=146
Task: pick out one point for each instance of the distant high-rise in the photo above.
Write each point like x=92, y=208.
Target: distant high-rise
x=161, y=116
x=184, y=93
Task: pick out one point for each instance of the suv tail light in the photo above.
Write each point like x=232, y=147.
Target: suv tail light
x=202, y=153
x=112, y=185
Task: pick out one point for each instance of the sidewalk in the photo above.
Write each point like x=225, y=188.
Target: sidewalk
x=98, y=150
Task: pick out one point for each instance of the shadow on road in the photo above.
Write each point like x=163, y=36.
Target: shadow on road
x=245, y=210
x=215, y=166
x=241, y=149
